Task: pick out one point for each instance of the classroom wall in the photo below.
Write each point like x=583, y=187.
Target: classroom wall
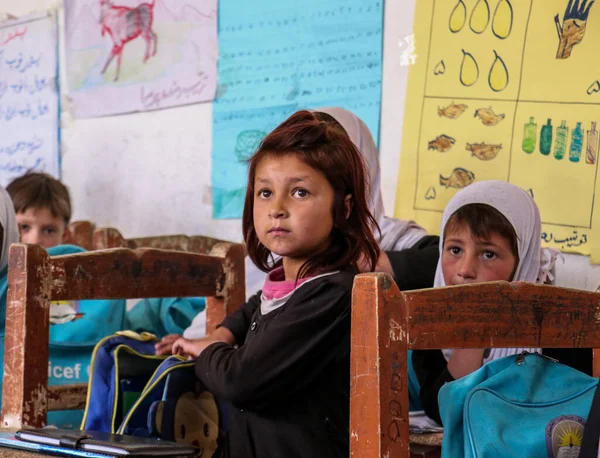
x=150, y=173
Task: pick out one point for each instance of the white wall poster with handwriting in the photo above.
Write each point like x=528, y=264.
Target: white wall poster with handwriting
x=137, y=55
x=29, y=109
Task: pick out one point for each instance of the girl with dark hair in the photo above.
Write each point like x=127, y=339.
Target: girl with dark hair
x=307, y=223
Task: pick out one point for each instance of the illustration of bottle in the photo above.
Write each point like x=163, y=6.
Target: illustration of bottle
x=576, y=143
x=546, y=138
x=529, y=135
x=592, y=145
x=560, y=145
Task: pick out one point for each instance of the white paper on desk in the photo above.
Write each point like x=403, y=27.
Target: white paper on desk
x=419, y=423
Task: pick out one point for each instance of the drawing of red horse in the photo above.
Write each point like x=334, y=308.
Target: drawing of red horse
x=124, y=24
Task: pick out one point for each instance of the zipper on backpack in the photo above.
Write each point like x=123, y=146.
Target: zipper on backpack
x=521, y=357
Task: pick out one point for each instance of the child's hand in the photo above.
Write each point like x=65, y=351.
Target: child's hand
x=188, y=348
x=192, y=348
x=166, y=343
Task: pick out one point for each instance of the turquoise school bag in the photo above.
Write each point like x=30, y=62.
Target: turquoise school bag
x=526, y=405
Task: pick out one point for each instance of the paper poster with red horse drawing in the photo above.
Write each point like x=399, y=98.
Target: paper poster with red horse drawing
x=138, y=55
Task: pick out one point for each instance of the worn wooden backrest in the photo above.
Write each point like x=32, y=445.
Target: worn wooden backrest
x=86, y=235
x=108, y=237
x=386, y=323
x=79, y=233
x=35, y=279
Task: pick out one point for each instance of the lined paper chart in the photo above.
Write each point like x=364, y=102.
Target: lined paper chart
x=29, y=100
x=278, y=57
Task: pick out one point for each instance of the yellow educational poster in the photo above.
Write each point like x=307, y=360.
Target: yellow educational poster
x=506, y=90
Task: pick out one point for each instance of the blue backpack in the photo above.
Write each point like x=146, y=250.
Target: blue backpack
x=526, y=405
x=132, y=391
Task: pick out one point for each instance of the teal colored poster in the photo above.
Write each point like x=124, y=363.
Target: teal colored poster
x=276, y=57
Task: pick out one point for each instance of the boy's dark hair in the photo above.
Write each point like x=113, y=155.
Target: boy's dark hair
x=324, y=147
x=40, y=190
x=483, y=220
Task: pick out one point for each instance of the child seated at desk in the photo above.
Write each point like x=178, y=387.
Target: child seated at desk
x=39, y=214
x=289, y=379
x=491, y=231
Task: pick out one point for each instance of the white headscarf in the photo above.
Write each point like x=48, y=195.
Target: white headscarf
x=535, y=263
x=8, y=221
x=396, y=234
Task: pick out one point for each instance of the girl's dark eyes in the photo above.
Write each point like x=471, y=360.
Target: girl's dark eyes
x=300, y=192
x=264, y=193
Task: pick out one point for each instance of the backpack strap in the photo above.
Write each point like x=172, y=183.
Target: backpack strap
x=71, y=440
x=591, y=434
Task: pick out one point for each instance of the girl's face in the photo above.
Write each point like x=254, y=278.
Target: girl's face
x=469, y=260
x=292, y=210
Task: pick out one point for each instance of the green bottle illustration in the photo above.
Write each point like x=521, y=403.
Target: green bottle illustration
x=529, y=135
x=591, y=152
x=546, y=138
x=560, y=145
x=576, y=143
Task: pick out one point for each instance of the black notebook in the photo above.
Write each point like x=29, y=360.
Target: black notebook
x=104, y=443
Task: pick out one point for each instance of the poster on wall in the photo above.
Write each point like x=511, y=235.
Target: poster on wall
x=136, y=55
x=506, y=90
x=29, y=100
x=280, y=56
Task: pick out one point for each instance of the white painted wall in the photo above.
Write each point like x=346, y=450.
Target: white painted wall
x=150, y=173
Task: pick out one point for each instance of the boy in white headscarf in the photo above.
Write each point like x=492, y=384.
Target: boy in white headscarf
x=407, y=251
x=491, y=231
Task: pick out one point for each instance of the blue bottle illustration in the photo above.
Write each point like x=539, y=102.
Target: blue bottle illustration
x=576, y=143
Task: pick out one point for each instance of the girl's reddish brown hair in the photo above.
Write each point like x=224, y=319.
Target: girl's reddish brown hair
x=324, y=146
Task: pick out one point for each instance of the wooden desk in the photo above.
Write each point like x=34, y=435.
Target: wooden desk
x=14, y=453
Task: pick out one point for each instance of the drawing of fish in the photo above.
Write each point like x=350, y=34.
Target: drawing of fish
x=459, y=178
x=488, y=117
x=484, y=151
x=441, y=143
x=452, y=111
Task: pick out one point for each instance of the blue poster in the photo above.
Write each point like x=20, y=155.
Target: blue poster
x=279, y=56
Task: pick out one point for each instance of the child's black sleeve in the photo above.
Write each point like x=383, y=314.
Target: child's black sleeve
x=432, y=372
x=285, y=350
x=414, y=268
x=239, y=321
